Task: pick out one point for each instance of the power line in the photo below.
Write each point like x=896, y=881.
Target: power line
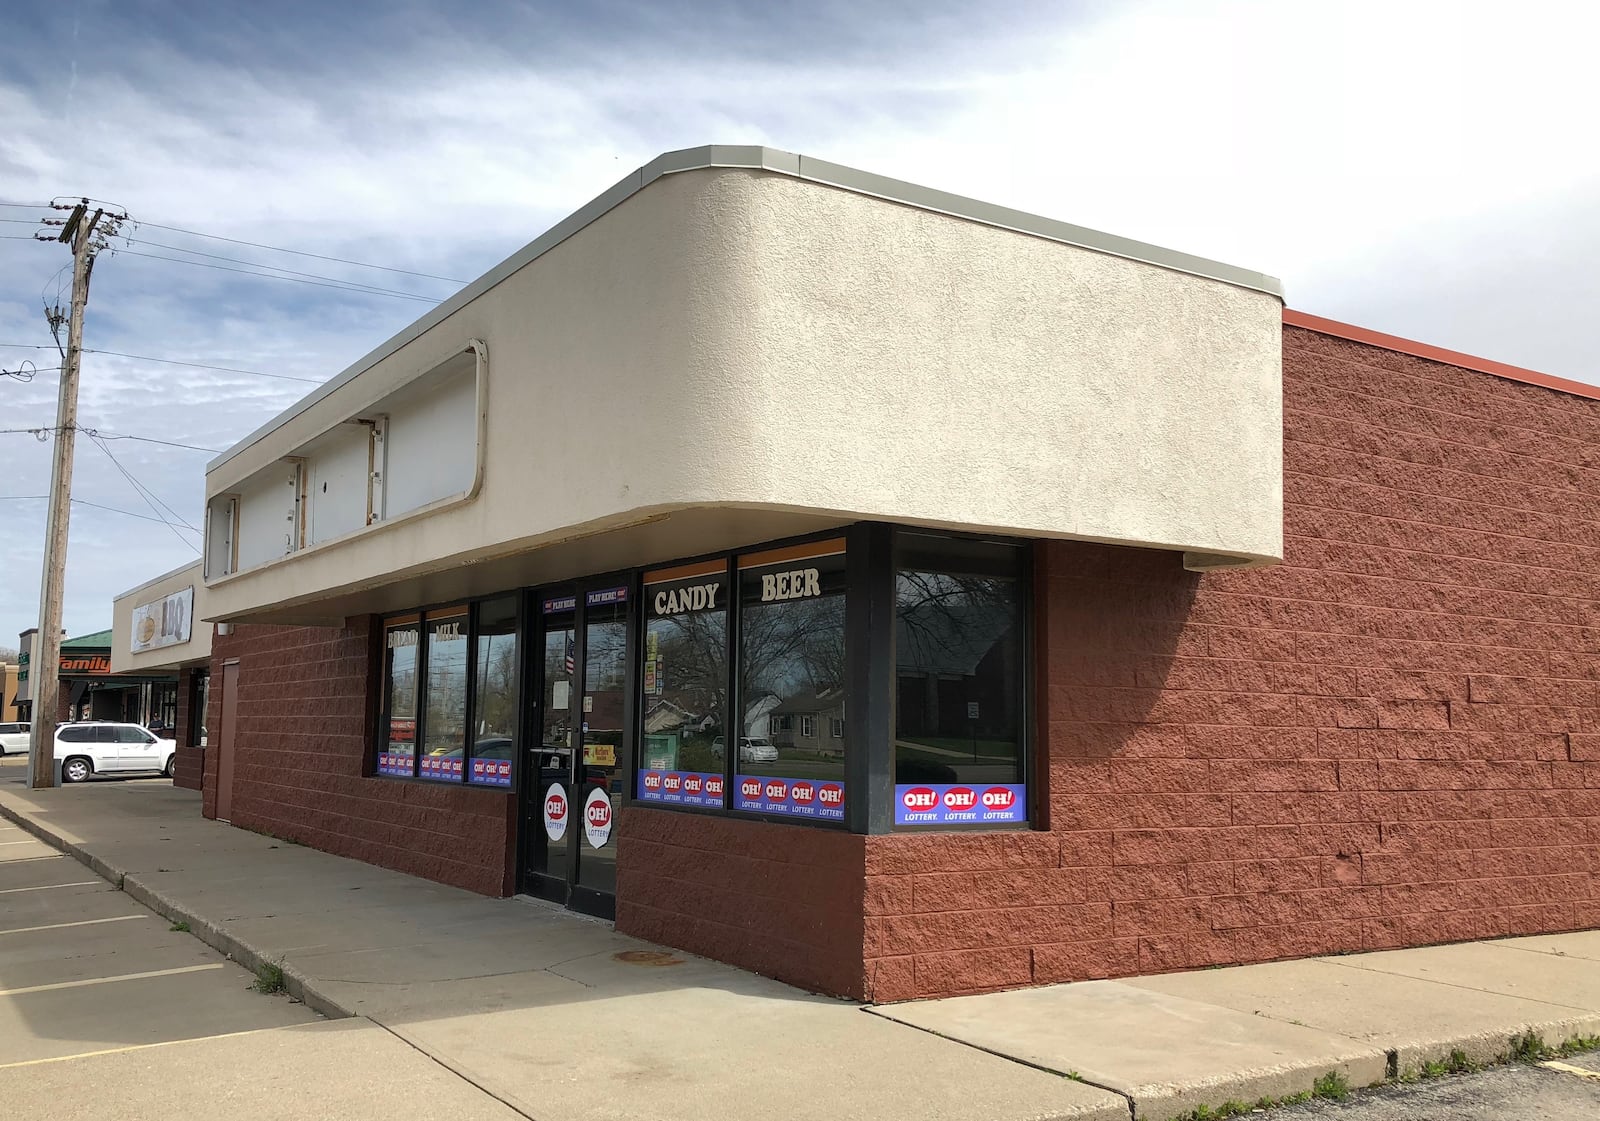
x=80, y=502
x=27, y=205
x=104, y=435
x=301, y=253
x=274, y=276
x=150, y=497
x=22, y=221
x=202, y=366
x=101, y=444
x=172, y=362
x=274, y=268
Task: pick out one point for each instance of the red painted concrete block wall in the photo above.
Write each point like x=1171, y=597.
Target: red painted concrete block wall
x=781, y=900
x=1391, y=739
x=189, y=759
x=306, y=695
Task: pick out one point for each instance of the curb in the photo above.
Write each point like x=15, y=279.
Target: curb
x=236, y=950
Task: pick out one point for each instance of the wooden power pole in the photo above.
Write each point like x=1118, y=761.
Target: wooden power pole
x=45, y=667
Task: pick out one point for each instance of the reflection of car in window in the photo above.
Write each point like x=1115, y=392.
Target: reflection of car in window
x=752, y=749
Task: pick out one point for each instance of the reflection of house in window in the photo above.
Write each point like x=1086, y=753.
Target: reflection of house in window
x=957, y=671
x=796, y=721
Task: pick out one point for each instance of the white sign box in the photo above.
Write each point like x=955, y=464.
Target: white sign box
x=166, y=622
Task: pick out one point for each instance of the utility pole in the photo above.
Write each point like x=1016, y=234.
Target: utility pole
x=46, y=658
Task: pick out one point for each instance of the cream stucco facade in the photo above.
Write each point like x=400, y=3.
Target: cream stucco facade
x=734, y=345
x=167, y=652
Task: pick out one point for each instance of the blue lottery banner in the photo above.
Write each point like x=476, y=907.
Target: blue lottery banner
x=961, y=804
x=795, y=797
x=394, y=763
x=681, y=788
x=490, y=772
x=440, y=768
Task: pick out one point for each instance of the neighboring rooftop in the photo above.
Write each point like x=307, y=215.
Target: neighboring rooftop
x=87, y=641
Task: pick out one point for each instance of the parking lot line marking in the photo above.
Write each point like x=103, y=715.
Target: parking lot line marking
x=111, y=980
x=64, y=925
x=1566, y=1068
x=135, y=1047
x=29, y=841
x=48, y=887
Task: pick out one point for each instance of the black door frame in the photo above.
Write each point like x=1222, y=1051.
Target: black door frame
x=562, y=886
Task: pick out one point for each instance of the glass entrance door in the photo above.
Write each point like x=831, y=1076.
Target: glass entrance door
x=579, y=756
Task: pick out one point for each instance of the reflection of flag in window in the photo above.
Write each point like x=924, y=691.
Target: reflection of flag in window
x=570, y=663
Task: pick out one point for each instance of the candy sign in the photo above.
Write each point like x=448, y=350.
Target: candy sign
x=958, y=804
x=555, y=812
x=597, y=818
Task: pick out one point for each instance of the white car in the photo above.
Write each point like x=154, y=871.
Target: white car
x=13, y=737
x=95, y=747
x=752, y=749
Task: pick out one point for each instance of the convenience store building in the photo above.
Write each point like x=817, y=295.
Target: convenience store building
x=900, y=596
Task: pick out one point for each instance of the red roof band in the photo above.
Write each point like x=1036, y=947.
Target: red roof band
x=1438, y=354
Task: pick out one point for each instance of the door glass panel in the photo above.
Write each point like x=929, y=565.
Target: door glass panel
x=604, y=689
x=550, y=813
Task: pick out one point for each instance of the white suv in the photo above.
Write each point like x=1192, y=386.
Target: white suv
x=98, y=747
x=13, y=737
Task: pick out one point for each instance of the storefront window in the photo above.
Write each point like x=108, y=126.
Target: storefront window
x=791, y=682
x=958, y=745
x=397, y=735
x=494, y=694
x=685, y=686
x=444, y=727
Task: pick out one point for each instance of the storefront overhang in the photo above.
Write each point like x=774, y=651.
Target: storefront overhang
x=738, y=344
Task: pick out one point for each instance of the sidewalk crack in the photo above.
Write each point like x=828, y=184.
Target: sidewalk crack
x=1133, y=1113
x=461, y=1074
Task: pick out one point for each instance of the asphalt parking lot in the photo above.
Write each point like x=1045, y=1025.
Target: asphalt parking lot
x=85, y=970
x=107, y=1012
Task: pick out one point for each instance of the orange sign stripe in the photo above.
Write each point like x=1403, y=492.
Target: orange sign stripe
x=685, y=571
x=810, y=549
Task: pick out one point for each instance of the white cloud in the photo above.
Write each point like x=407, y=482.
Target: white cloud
x=1418, y=165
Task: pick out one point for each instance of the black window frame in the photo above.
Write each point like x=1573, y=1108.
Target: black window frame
x=868, y=725
x=1026, y=685
x=420, y=617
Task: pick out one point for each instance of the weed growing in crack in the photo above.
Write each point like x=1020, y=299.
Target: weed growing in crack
x=269, y=978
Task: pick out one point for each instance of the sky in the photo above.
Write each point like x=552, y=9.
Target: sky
x=1416, y=167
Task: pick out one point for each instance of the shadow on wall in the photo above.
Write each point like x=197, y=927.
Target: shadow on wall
x=1115, y=620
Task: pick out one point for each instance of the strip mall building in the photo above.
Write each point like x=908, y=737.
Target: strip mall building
x=901, y=596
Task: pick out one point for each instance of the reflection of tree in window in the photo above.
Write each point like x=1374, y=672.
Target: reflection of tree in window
x=400, y=679
x=494, y=695
x=685, y=710
x=791, y=671
x=958, y=688
x=445, y=726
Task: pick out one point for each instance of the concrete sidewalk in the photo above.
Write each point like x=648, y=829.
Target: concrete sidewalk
x=560, y=1017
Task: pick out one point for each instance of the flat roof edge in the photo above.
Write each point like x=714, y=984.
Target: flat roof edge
x=1433, y=353
x=778, y=161
x=137, y=588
